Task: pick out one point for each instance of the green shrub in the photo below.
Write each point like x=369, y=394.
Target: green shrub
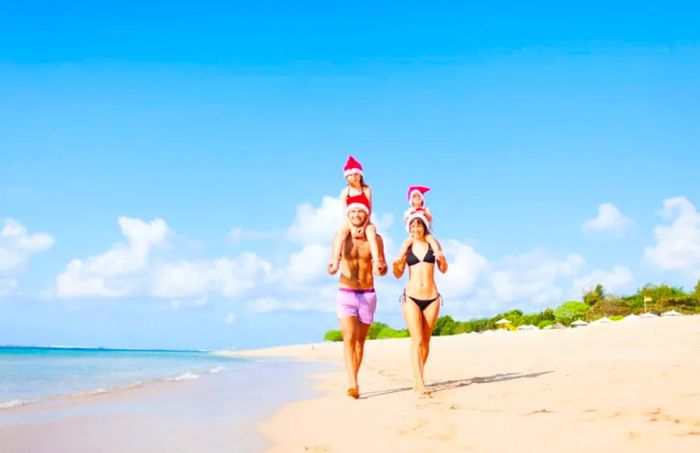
x=544, y=324
x=374, y=330
x=571, y=311
x=388, y=332
x=445, y=325
x=333, y=335
x=617, y=317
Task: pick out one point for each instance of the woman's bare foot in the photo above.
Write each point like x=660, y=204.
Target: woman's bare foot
x=421, y=390
x=354, y=392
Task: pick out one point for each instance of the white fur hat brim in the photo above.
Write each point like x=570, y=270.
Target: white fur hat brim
x=417, y=215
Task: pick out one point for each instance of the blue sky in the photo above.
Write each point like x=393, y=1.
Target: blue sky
x=169, y=172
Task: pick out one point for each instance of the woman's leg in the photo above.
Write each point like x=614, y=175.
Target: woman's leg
x=430, y=316
x=415, y=323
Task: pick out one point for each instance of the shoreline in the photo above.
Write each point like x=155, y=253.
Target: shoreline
x=628, y=385
x=216, y=412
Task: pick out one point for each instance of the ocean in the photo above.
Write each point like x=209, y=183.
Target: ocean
x=206, y=402
x=32, y=374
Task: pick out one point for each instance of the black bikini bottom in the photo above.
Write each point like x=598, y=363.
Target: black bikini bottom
x=423, y=303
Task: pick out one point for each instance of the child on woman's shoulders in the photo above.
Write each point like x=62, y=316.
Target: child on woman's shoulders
x=416, y=198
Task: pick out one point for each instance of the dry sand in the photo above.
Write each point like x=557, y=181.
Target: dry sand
x=627, y=386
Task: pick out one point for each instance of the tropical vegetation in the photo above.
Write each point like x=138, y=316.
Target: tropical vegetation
x=596, y=304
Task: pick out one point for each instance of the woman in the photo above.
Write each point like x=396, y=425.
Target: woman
x=421, y=300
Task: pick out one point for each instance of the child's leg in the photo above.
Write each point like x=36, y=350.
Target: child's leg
x=371, y=233
x=437, y=250
x=337, y=246
x=404, y=247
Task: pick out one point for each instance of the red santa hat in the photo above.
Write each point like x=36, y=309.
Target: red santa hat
x=420, y=190
x=417, y=214
x=357, y=201
x=352, y=166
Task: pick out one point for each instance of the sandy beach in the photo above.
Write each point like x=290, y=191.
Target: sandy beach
x=631, y=385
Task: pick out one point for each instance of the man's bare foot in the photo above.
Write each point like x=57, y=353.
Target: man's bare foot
x=354, y=392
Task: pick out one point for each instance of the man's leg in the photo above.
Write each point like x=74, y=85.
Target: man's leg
x=363, y=330
x=350, y=328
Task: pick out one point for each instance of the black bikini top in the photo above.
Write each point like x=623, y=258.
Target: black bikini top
x=412, y=259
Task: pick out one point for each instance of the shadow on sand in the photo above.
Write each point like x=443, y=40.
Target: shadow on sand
x=456, y=383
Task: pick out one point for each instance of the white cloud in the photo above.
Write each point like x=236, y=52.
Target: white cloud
x=230, y=318
x=465, y=268
x=619, y=278
x=16, y=245
x=526, y=281
x=129, y=269
x=16, y=248
x=609, y=219
x=111, y=274
x=307, y=265
x=223, y=276
x=317, y=225
x=533, y=277
x=677, y=245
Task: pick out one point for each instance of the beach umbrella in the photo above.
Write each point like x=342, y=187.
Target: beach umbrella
x=579, y=323
x=503, y=324
x=671, y=313
x=603, y=320
x=558, y=325
x=649, y=315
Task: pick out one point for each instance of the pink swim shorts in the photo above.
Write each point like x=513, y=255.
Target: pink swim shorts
x=360, y=303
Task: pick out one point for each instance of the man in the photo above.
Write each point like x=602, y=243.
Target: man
x=357, y=300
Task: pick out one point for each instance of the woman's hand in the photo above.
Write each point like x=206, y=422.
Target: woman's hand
x=398, y=266
x=441, y=262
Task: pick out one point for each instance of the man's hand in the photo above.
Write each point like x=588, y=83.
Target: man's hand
x=379, y=268
x=333, y=266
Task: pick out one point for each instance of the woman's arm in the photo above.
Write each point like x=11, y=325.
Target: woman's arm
x=441, y=263
x=399, y=266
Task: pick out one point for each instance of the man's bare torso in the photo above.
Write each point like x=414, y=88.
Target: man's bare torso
x=356, y=263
